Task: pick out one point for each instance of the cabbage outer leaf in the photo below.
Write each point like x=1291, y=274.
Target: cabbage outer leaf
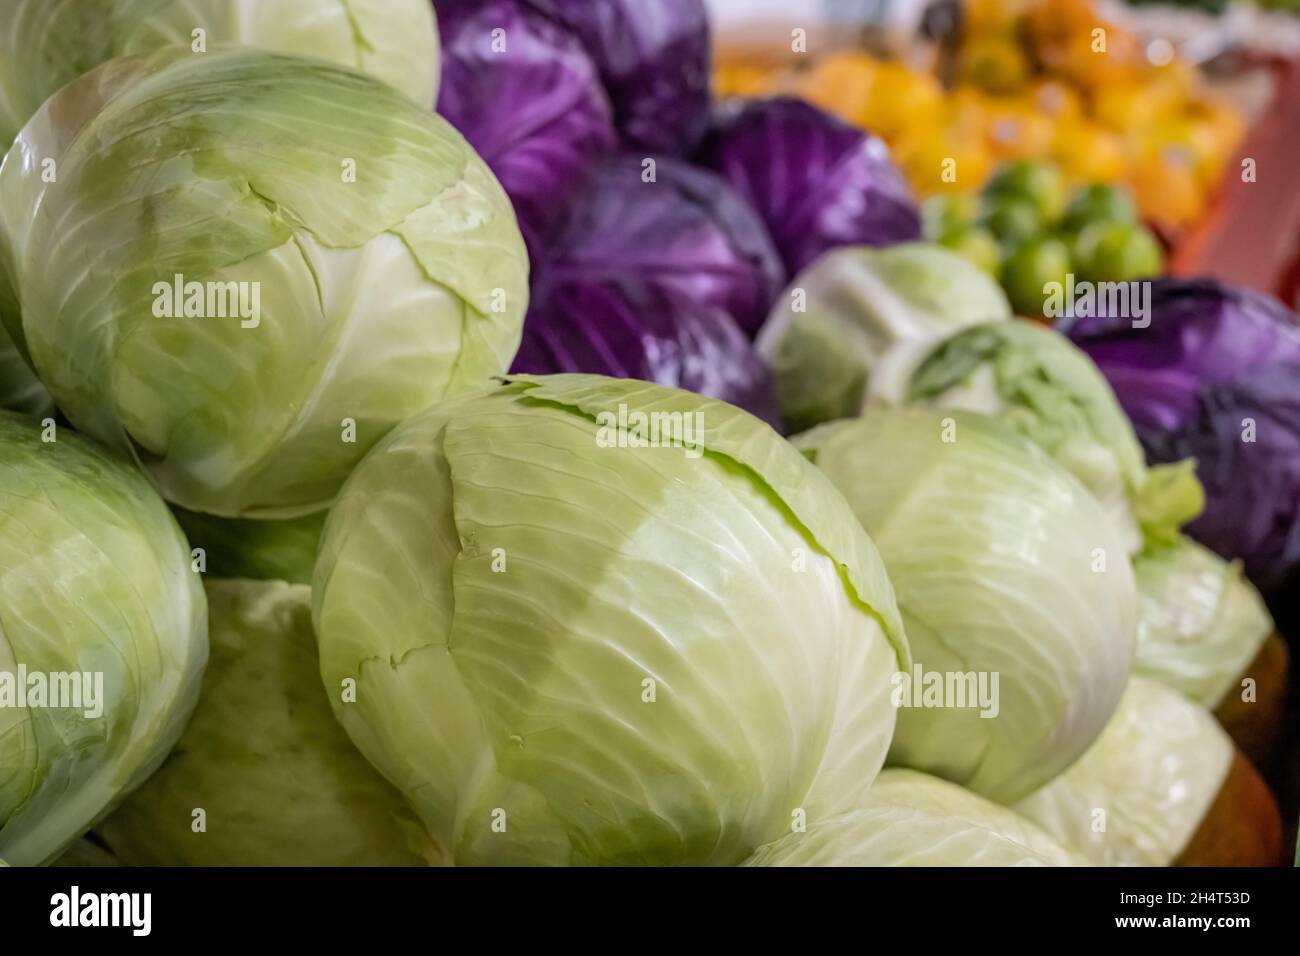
x=231, y=167
x=1201, y=623
x=508, y=704
x=279, y=780
x=913, y=819
x=45, y=44
x=1154, y=773
x=1003, y=564
x=1036, y=381
x=95, y=577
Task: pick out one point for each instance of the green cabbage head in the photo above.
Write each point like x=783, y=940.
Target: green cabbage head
x=913, y=819
x=277, y=779
x=1153, y=773
x=250, y=267
x=45, y=44
x=1201, y=623
x=1006, y=571
x=842, y=313
x=95, y=579
x=1035, y=380
x=566, y=648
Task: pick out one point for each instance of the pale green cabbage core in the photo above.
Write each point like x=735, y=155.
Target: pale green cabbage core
x=1201, y=623
x=913, y=819
x=45, y=44
x=1139, y=793
x=1003, y=565
x=1037, y=382
x=388, y=262
x=95, y=578
x=842, y=313
x=278, y=780
x=567, y=651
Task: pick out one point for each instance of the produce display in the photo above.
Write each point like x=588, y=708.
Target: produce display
x=550, y=433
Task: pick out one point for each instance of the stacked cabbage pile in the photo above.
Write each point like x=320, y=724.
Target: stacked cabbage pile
x=344, y=457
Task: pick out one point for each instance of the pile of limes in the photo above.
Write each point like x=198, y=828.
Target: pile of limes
x=1025, y=227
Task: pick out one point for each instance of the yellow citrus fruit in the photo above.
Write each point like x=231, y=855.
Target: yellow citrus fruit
x=1058, y=100
x=996, y=63
x=1168, y=190
x=900, y=98
x=942, y=160
x=1130, y=107
x=841, y=84
x=1016, y=129
x=1090, y=153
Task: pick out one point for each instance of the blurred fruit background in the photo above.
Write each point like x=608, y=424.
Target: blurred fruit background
x=1139, y=116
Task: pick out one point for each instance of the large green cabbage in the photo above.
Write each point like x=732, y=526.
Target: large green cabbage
x=1201, y=623
x=1004, y=566
x=913, y=819
x=843, y=312
x=95, y=578
x=566, y=649
x=47, y=43
x=380, y=292
x=1139, y=793
x=277, y=779
x=1036, y=381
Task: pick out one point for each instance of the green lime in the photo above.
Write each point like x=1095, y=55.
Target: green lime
x=976, y=244
x=1010, y=219
x=1036, y=182
x=1117, y=252
x=1099, y=202
x=947, y=213
x=1027, y=270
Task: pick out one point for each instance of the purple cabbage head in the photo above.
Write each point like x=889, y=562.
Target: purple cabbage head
x=664, y=280
x=654, y=57
x=818, y=182
x=529, y=100
x=630, y=329
x=1216, y=377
